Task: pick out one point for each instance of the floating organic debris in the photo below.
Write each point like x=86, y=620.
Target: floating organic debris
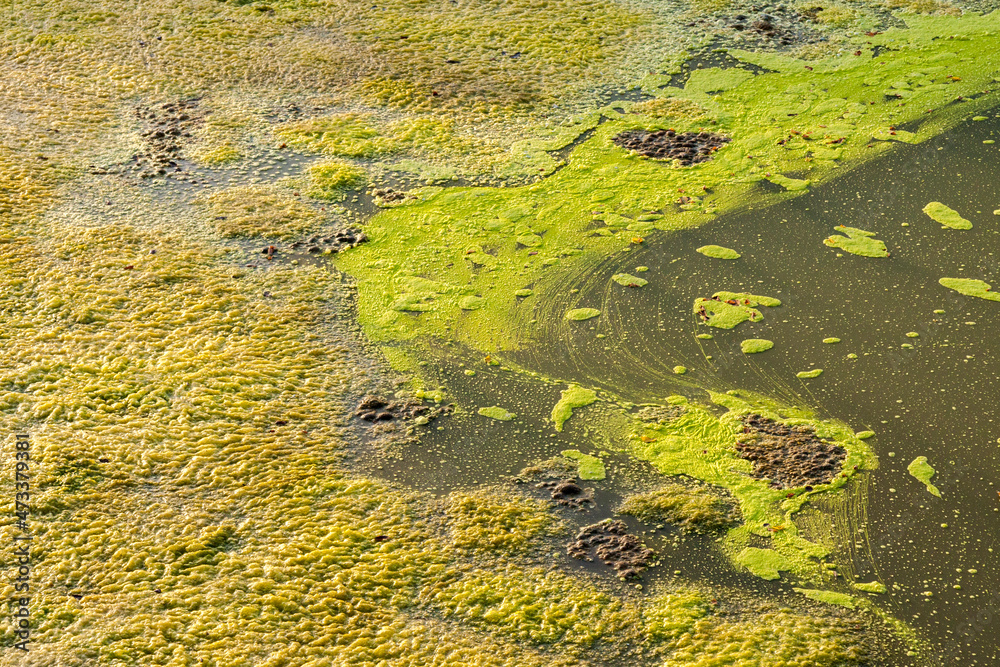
x=495, y=412
x=680, y=370
x=168, y=128
x=686, y=147
x=864, y=435
x=568, y=493
x=970, y=287
x=857, y=242
x=755, y=345
x=922, y=470
x=831, y=340
x=804, y=375
x=572, y=398
x=345, y=239
x=690, y=506
x=788, y=456
x=626, y=280
x=589, y=467
x=727, y=309
x=948, y=217
x=718, y=252
x=580, y=314
x=610, y=542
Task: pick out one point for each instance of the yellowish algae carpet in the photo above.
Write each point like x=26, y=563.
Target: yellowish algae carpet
x=188, y=414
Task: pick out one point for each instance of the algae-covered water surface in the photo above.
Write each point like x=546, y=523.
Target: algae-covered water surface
x=463, y=333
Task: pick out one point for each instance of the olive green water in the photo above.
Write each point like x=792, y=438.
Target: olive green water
x=932, y=394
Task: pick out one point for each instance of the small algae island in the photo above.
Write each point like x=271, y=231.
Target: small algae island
x=399, y=334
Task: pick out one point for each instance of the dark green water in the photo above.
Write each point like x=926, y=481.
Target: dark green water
x=937, y=398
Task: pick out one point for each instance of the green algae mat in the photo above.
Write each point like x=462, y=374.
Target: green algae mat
x=363, y=335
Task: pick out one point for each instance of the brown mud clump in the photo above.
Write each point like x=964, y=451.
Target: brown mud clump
x=167, y=127
x=686, y=147
x=610, y=542
x=375, y=409
x=341, y=240
x=558, y=476
x=788, y=456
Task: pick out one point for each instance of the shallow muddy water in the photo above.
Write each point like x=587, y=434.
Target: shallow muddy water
x=931, y=394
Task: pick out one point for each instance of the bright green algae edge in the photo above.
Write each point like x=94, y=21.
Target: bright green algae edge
x=463, y=241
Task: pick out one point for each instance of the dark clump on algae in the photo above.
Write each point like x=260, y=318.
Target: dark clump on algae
x=686, y=147
x=610, y=541
x=788, y=456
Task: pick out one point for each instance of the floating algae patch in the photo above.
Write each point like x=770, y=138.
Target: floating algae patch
x=755, y=345
x=494, y=519
x=829, y=597
x=922, y=470
x=625, y=280
x=970, y=287
x=831, y=340
x=496, y=412
x=718, y=252
x=570, y=399
x=588, y=467
x=690, y=506
x=764, y=563
x=948, y=217
x=870, y=587
x=580, y=314
x=793, y=184
x=260, y=210
x=680, y=370
x=758, y=451
x=805, y=375
x=727, y=309
x=857, y=242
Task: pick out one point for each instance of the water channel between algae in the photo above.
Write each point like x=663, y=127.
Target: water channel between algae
x=228, y=470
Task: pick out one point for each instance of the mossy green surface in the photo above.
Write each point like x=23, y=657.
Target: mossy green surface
x=329, y=179
x=691, y=507
x=718, y=252
x=728, y=309
x=571, y=399
x=496, y=412
x=588, y=467
x=793, y=184
x=920, y=469
x=947, y=216
x=669, y=616
x=971, y=287
x=857, y=242
x=755, y=345
x=259, y=210
x=815, y=373
x=764, y=563
x=494, y=519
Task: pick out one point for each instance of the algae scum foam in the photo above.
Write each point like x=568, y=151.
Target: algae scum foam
x=577, y=332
